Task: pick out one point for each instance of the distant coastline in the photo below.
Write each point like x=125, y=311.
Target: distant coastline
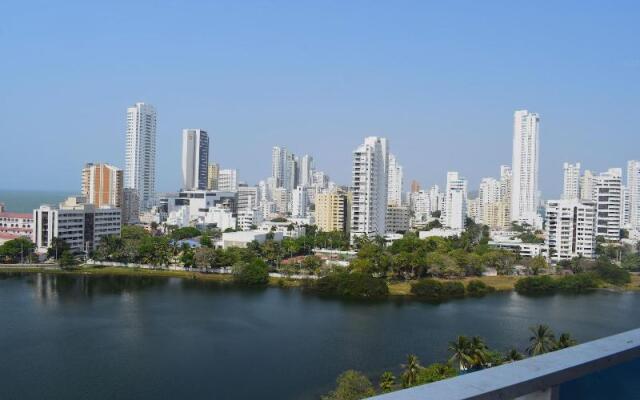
x=25, y=201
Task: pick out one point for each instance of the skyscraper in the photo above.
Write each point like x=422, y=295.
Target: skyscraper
x=455, y=207
x=571, y=188
x=278, y=161
x=102, y=185
x=369, y=207
x=195, y=159
x=228, y=180
x=306, y=171
x=607, y=194
x=524, y=190
x=140, y=157
x=395, y=182
x=212, y=176
x=633, y=186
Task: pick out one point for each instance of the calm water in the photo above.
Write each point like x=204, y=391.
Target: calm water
x=25, y=201
x=148, y=338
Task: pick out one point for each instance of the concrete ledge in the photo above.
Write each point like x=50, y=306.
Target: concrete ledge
x=529, y=375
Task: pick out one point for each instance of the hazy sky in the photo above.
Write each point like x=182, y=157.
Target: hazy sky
x=439, y=79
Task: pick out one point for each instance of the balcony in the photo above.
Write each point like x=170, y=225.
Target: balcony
x=606, y=368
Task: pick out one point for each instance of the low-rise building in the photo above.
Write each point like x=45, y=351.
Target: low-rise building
x=19, y=224
x=440, y=232
x=242, y=239
x=79, y=224
x=519, y=247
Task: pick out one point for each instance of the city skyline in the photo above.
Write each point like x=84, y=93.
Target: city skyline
x=324, y=108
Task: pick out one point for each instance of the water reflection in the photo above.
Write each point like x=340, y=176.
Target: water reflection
x=75, y=288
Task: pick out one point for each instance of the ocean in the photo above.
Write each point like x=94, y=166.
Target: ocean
x=25, y=201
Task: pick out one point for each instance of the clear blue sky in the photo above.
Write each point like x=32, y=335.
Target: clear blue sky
x=439, y=79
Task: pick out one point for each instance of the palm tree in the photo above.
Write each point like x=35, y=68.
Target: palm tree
x=387, y=382
x=542, y=340
x=460, y=349
x=565, y=340
x=479, y=352
x=512, y=355
x=411, y=369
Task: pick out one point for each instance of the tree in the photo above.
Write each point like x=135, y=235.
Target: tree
x=537, y=265
x=253, y=273
x=435, y=372
x=16, y=250
x=512, y=355
x=387, y=382
x=565, y=340
x=312, y=263
x=205, y=240
x=351, y=385
x=461, y=353
x=479, y=352
x=411, y=370
x=67, y=260
x=541, y=341
x=57, y=247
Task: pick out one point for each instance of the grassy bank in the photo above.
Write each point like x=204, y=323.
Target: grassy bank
x=500, y=283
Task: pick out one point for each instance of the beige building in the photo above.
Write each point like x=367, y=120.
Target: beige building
x=102, y=185
x=214, y=173
x=332, y=211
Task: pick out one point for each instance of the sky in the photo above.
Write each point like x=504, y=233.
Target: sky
x=440, y=80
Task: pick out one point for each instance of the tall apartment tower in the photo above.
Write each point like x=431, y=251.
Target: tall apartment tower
x=571, y=187
x=228, y=180
x=633, y=186
x=278, y=164
x=140, y=157
x=607, y=194
x=395, y=182
x=369, y=206
x=102, y=185
x=195, y=159
x=455, y=204
x=570, y=229
x=332, y=211
x=587, y=182
x=526, y=145
x=306, y=171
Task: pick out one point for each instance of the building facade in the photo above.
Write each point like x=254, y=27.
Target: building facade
x=526, y=145
x=607, y=194
x=332, y=211
x=103, y=185
x=395, y=182
x=633, y=188
x=195, y=159
x=570, y=227
x=140, y=156
x=455, y=207
x=212, y=176
x=571, y=186
x=228, y=180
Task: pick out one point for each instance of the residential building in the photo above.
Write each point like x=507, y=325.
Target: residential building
x=190, y=207
x=489, y=194
x=415, y=186
x=519, y=247
x=249, y=218
x=228, y=180
x=570, y=226
x=212, y=176
x=102, y=185
x=17, y=224
x=130, y=206
x=587, y=183
x=278, y=164
x=455, y=207
x=397, y=219
x=248, y=196
x=369, y=206
x=607, y=194
x=395, y=182
x=524, y=184
x=420, y=206
x=306, y=171
x=436, y=198
x=79, y=224
x=195, y=159
x=140, y=157
x=332, y=211
x=242, y=239
x=299, y=202
x=220, y=216
x=281, y=197
x=633, y=187
x=571, y=187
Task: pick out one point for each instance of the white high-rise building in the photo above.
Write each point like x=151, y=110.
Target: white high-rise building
x=570, y=229
x=228, y=180
x=140, y=157
x=488, y=194
x=587, y=183
x=633, y=187
x=524, y=186
x=455, y=205
x=435, y=198
x=607, y=194
x=278, y=160
x=571, y=187
x=195, y=159
x=369, y=206
x=395, y=182
x=306, y=171
x=299, y=202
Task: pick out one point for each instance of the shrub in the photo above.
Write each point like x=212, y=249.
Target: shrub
x=453, y=289
x=578, y=283
x=354, y=285
x=477, y=288
x=533, y=285
x=253, y=273
x=612, y=274
x=435, y=372
x=428, y=289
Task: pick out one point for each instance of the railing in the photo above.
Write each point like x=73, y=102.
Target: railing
x=605, y=368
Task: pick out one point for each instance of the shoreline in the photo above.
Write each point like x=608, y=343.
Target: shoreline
x=396, y=289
